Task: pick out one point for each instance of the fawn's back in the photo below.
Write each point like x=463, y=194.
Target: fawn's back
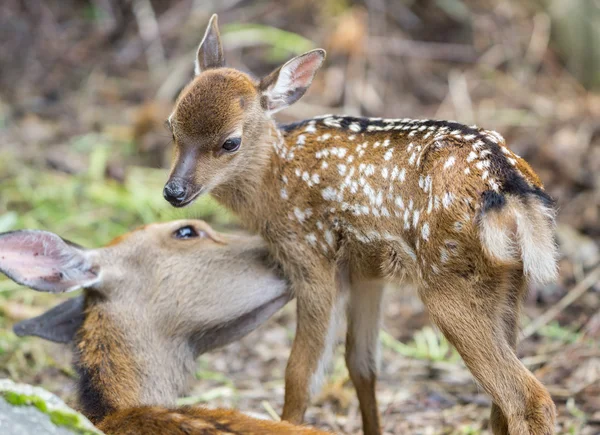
x=419, y=188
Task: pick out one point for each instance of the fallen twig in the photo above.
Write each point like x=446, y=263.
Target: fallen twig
x=589, y=281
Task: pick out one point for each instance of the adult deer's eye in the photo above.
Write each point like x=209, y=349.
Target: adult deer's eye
x=187, y=232
x=232, y=144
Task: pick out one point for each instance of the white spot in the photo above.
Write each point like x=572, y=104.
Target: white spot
x=472, y=156
x=324, y=165
x=512, y=161
x=364, y=209
x=305, y=176
x=449, y=162
x=332, y=122
x=385, y=212
x=369, y=170
x=302, y=215
x=384, y=173
x=425, y=231
x=301, y=140
x=406, y=221
x=310, y=128
x=311, y=238
x=416, y=215
x=320, y=225
x=482, y=164
x=284, y=194
x=444, y=255
x=341, y=168
x=355, y=126
x=315, y=178
x=467, y=171
x=447, y=200
x=329, y=238
x=399, y=202
x=402, y=175
x=297, y=172
x=329, y=194
x=350, y=159
x=386, y=143
x=411, y=161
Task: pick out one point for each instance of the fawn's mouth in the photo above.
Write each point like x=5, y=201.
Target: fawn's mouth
x=189, y=200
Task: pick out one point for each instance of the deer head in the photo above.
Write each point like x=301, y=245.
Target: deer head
x=222, y=119
x=153, y=301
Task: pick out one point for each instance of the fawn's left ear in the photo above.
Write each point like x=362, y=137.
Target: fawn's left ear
x=287, y=84
x=59, y=324
x=210, y=52
x=45, y=262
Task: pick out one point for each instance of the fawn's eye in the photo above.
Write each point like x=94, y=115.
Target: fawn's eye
x=187, y=232
x=232, y=144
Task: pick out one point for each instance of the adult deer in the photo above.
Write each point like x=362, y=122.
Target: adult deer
x=154, y=300
x=445, y=205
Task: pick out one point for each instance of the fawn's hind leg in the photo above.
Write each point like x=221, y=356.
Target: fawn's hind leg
x=510, y=318
x=362, y=348
x=471, y=314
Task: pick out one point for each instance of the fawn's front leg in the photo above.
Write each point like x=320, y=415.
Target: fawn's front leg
x=316, y=298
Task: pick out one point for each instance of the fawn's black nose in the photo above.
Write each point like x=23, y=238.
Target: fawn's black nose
x=175, y=192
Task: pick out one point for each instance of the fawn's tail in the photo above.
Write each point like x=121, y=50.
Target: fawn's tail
x=521, y=228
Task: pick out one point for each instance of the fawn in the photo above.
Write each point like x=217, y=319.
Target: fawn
x=445, y=205
x=149, y=309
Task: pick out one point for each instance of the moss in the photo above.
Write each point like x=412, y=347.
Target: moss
x=60, y=417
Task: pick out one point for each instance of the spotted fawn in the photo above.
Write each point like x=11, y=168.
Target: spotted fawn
x=347, y=204
x=153, y=301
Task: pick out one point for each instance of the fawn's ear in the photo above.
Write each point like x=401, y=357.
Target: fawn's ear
x=59, y=324
x=45, y=262
x=287, y=84
x=210, y=52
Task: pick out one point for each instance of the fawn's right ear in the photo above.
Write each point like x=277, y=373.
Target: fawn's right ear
x=45, y=262
x=59, y=324
x=210, y=52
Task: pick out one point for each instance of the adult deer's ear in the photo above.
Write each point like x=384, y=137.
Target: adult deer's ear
x=210, y=52
x=287, y=84
x=59, y=324
x=45, y=262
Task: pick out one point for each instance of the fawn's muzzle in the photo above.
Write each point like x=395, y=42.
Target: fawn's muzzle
x=176, y=192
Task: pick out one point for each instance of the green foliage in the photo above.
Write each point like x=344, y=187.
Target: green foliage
x=282, y=42
x=427, y=344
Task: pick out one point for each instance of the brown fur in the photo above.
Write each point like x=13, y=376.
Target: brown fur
x=189, y=420
x=391, y=199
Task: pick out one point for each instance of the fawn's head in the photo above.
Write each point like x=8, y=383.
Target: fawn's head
x=223, y=115
x=153, y=300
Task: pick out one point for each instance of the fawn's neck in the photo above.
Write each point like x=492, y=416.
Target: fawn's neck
x=252, y=192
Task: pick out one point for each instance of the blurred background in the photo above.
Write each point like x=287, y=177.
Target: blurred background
x=85, y=86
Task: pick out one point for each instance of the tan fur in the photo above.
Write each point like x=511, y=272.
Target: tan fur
x=161, y=301
x=447, y=206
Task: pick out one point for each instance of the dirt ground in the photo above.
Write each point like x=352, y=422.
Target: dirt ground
x=86, y=85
